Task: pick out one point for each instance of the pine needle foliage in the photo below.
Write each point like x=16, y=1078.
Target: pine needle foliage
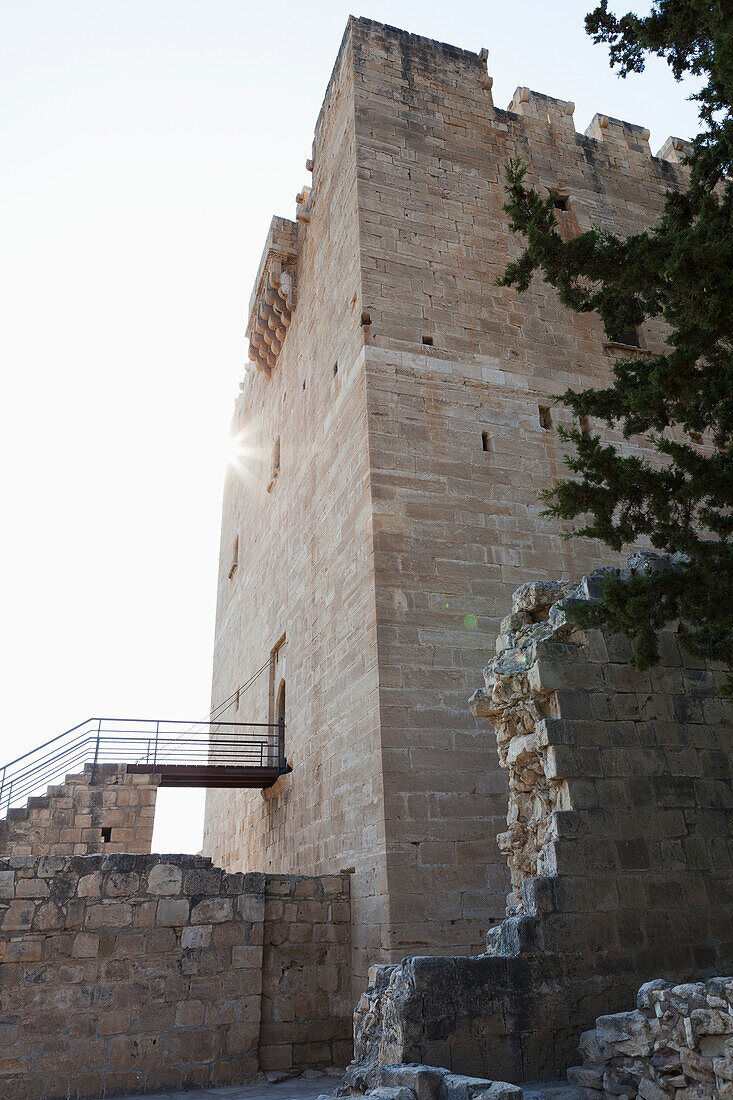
x=679, y=272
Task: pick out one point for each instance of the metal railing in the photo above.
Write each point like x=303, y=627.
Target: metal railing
x=151, y=742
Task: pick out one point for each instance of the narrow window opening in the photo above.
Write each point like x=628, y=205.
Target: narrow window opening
x=584, y=425
x=106, y=834
x=275, y=466
x=304, y=383
x=568, y=225
x=485, y=441
x=280, y=721
x=629, y=337
x=366, y=317
x=276, y=709
x=545, y=417
x=428, y=341
x=235, y=557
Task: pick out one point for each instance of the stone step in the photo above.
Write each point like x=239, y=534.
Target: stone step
x=38, y=802
x=558, y=1090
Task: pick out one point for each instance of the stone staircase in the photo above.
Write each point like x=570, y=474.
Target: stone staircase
x=97, y=810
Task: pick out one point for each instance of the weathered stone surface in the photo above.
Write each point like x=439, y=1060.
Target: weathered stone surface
x=103, y=976
x=404, y=411
x=420, y=1082
x=690, y=1055
x=77, y=817
x=619, y=811
x=165, y=878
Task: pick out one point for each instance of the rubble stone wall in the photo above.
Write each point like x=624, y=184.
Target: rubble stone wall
x=677, y=1042
x=101, y=809
x=619, y=831
x=133, y=974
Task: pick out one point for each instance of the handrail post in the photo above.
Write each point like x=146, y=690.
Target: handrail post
x=157, y=731
x=2, y=784
x=96, y=750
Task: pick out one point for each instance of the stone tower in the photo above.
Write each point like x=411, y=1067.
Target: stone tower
x=397, y=424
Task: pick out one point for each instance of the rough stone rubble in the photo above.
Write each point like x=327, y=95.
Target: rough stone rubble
x=678, y=1042
x=619, y=803
x=517, y=700
x=412, y=1081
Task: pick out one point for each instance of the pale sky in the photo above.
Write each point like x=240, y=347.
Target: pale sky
x=145, y=144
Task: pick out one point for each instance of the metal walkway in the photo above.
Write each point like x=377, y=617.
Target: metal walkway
x=183, y=754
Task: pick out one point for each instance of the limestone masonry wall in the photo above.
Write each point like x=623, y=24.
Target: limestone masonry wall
x=79, y=817
x=619, y=840
x=306, y=981
x=386, y=502
x=304, y=582
x=132, y=974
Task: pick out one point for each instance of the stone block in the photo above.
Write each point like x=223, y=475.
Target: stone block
x=212, y=911
x=196, y=936
x=190, y=1014
x=424, y=1081
x=173, y=911
x=165, y=878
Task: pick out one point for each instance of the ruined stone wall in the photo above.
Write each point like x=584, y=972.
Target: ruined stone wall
x=305, y=567
x=619, y=830
x=114, y=813
x=129, y=974
x=677, y=1042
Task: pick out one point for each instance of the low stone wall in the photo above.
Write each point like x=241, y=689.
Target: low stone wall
x=101, y=809
x=677, y=1043
x=131, y=974
x=306, y=1015
x=619, y=826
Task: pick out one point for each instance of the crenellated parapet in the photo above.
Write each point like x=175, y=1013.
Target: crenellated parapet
x=558, y=113
x=273, y=298
x=675, y=150
x=555, y=112
x=616, y=131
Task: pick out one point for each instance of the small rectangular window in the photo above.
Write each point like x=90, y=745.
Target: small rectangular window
x=275, y=465
x=584, y=425
x=235, y=557
x=630, y=337
x=561, y=202
x=545, y=417
x=428, y=341
x=106, y=834
x=485, y=441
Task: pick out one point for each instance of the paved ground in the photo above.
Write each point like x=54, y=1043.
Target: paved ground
x=297, y=1088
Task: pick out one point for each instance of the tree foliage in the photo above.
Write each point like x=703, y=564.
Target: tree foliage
x=680, y=272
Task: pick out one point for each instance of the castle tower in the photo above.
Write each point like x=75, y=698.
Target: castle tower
x=397, y=426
